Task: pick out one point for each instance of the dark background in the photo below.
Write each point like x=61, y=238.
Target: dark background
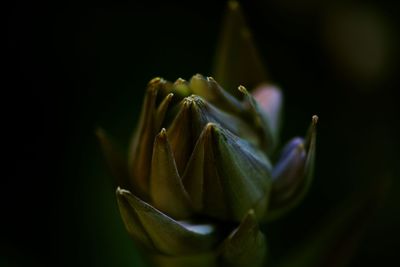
x=74, y=66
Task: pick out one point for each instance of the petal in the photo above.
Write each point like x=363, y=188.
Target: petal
x=246, y=246
x=180, y=135
x=237, y=58
x=270, y=101
x=131, y=220
x=167, y=235
x=226, y=175
x=166, y=188
x=142, y=142
x=292, y=174
x=260, y=121
x=193, y=115
x=162, y=110
x=181, y=88
x=151, y=119
x=210, y=90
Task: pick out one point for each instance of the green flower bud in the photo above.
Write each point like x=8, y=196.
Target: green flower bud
x=199, y=176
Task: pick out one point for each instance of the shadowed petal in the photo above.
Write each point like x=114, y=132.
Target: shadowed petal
x=167, y=235
x=166, y=189
x=292, y=174
x=210, y=90
x=141, y=147
x=260, y=121
x=193, y=115
x=246, y=246
x=226, y=175
x=270, y=101
x=237, y=58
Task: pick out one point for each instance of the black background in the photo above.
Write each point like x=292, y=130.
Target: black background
x=74, y=66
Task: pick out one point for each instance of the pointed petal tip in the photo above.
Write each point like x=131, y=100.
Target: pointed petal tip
x=180, y=81
x=155, y=80
x=243, y=89
x=192, y=100
x=188, y=101
x=311, y=135
x=122, y=192
x=250, y=216
x=198, y=76
x=210, y=79
x=211, y=128
x=315, y=119
x=161, y=138
x=251, y=213
x=162, y=134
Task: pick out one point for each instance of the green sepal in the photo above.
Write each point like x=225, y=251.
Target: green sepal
x=158, y=231
x=245, y=246
x=166, y=188
x=141, y=146
x=292, y=175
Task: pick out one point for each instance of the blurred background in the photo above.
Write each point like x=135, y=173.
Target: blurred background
x=74, y=66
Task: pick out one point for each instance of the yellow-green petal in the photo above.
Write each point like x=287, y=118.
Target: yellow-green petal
x=245, y=246
x=168, y=236
x=166, y=188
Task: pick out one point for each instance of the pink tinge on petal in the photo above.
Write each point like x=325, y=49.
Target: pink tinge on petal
x=269, y=98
